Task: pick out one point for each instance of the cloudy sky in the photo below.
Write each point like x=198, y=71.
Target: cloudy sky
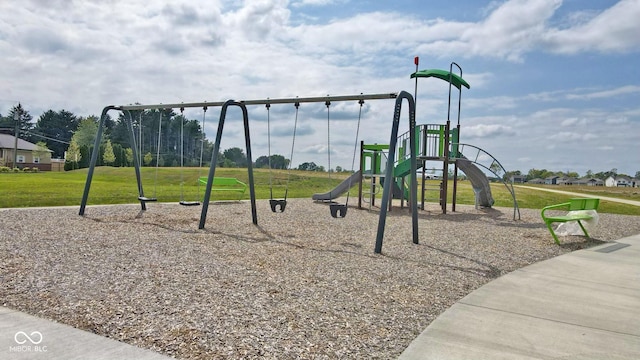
x=554, y=84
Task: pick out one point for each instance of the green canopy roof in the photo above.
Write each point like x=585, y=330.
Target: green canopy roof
x=456, y=80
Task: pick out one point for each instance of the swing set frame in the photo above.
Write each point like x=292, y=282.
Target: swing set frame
x=128, y=109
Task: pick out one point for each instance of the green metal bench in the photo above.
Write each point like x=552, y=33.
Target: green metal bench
x=572, y=205
x=226, y=184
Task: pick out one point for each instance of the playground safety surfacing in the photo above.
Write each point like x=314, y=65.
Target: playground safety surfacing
x=301, y=284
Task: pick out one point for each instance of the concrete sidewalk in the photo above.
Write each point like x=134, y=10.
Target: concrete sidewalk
x=24, y=336
x=581, y=305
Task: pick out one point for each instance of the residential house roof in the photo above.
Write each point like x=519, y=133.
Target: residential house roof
x=8, y=142
x=589, y=180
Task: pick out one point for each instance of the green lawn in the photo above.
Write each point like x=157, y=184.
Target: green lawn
x=118, y=186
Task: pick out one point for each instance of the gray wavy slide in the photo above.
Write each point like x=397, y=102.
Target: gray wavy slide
x=478, y=180
x=342, y=188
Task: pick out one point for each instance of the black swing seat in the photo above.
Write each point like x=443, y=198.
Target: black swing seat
x=189, y=203
x=275, y=203
x=146, y=199
x=338, y=210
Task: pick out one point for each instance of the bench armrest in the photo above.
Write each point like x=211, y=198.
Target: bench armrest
x=563, y=205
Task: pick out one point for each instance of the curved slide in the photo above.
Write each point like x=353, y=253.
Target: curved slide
x=342, y=188
x=478, y=180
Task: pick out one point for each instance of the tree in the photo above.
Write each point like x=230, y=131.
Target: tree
x=128, y=154
x=58, y=127
x=118, y=151
x=41, y=150
x=235, y=157
x=86, y=132
x=262, y=162
x=108, y=157
x=637, y=175
x=277, y=162
x=25, y=126
x=73, y=154
x=85, y=157
x=148, y=158
x=497, y=169
x=538, y=174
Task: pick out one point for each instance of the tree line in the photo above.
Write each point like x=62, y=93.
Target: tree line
x=544, y=173
x=158, y=137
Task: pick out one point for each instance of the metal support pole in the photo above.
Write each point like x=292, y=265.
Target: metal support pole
x=214, y=160
x=389, y=170
x=266, y=101
x=361, y=175
x=94, y=158
x=136, y=160
x=16, y=133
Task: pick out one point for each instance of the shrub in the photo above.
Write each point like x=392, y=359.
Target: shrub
x=15, y=169
x=35, y=170
x=4, y=169
x=26, y=169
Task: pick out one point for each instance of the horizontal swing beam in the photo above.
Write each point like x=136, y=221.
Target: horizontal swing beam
x=262, y=101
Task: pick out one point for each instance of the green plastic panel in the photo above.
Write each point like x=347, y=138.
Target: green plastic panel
x=456, y=80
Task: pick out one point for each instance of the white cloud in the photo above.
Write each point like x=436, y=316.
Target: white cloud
x=623, y=90
x=84, y=55
x=487, y=131
x=510, y=30
x=616, y=120
x=573, y=122
x=614, y=30
x=572, y=136
x=299, y=3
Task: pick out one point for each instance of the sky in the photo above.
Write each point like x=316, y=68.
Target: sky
x=554, y=84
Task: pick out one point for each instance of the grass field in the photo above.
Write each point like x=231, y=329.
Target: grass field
x=118, y=186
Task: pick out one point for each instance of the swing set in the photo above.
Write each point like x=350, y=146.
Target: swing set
x=277, y=205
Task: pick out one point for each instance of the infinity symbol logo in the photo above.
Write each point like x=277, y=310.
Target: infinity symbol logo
x=24, y=337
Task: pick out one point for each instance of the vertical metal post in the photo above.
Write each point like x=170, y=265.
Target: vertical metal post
x=445, y=169
x=136, y=163
x=455, y=167
x=214, y=160
x=455, y=163
x=94, y=158
x=389, y=170
x=424, y=164
x=16, y=133
x=361, y=174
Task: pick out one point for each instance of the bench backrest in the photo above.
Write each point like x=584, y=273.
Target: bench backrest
x=227, y=181
x=583, y=204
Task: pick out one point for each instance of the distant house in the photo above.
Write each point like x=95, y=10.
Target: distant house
x=518, y=179
x=566, y=181
x=26, y=156
x=619, y=181
x=589, y=182
x=536, y=181
x=551, y=180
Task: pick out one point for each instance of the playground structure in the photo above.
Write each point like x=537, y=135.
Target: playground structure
x=398, y=161
x=439, y=143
